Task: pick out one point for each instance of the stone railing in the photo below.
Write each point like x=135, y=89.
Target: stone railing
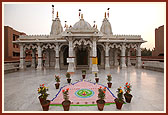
x=153, y=65
x=12, y=67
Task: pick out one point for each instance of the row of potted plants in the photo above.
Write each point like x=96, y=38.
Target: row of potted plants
x=100, y=102
x=68, y=75
x=109, y=78
x=57, y=79
x=119, y=100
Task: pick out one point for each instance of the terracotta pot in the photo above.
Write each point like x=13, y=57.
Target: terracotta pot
x=128, y=98
x=83, y=76
x=100, y=104
x=57, y=85
x=45, y=105
x=109, y=85
x=41, y=99
x=66, y=105
x=97, y=80
x=69, y=80
x=118, y=104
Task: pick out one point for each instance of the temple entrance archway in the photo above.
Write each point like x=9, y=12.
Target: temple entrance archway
x=82, y=56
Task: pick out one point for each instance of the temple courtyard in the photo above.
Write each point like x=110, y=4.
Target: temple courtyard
x=20, y=88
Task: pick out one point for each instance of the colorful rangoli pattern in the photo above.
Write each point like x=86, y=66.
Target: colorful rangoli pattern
x=82, y=93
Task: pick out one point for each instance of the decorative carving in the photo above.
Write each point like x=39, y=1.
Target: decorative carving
x=48, y=45
x=114, y=45
x=60, y=46
x=30, y=46
x=86, y=42
x=101, y=44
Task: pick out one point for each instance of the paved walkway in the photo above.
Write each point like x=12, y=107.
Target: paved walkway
x=20, y=89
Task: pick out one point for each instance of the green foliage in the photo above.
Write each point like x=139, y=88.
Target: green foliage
x=65, y=94
x=109, y=78
x=43, y=91
x=101, y=94
x=83, y=71
x=68, y=75
x=127, y=88
x=57, y=78
x=144, y=52
x=120, y=94
x=95, y=74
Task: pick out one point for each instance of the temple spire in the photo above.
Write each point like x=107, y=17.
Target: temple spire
x=57, y=14
x=81, y=16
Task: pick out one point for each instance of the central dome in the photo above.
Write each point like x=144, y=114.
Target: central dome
x=82, y=25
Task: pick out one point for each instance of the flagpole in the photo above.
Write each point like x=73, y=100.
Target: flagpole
x=52, y=12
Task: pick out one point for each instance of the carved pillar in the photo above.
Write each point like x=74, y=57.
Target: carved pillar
x=90, y=57
x=71, y=64
x=22, y=57
x=94, y=55
x=128, y=58
x=33, y=59
x=122, y=59
x=115, y=57
x=74, y=55
x=39, y=66
x=57, y=65
x=107, y=65
x=138, y=56
x=102, y=58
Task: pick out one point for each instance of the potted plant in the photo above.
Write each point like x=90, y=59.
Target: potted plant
x=127, y=94
x=43, y=96
x=96, y=78
x=57, y=79
x=66, y=103
x=68, y=75
x=83, y=74
x=109, y=78
x=119, y=101
x=101, y=96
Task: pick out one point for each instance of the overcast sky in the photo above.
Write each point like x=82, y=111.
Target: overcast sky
x=125, y=18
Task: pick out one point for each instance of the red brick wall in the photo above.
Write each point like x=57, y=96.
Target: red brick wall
x=159, y=41
x=9, y=47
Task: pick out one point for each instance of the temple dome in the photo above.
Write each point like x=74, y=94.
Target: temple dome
x=82, y=25
x=106, y=27
x=56, y=27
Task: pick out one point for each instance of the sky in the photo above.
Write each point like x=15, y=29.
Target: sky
x=129, y=18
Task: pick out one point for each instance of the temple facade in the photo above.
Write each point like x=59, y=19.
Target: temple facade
x=80, y=46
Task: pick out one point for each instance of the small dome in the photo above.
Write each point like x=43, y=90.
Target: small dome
x=56, y=27
x=106, y=27
x=82, y=25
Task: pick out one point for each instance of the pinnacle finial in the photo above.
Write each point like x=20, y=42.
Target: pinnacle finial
x=57, y=14
x=81, y=16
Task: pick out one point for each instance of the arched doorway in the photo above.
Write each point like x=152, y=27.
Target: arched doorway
x=65, y=54
x=82, y=56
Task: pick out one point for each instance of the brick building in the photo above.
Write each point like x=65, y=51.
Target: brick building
x=159, y=42
x=11, y=51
